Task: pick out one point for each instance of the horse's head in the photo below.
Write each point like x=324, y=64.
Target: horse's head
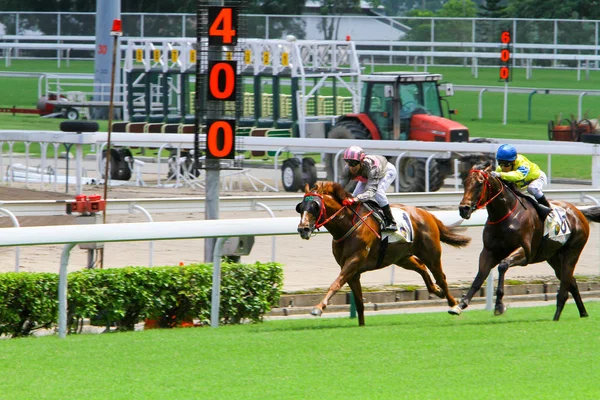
x=477, y=189
x=313, y=209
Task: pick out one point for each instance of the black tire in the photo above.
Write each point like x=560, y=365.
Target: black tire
x=123, y=172
x=113, y=167
x=119, y=168
x=550, y=130
x=590, y=138
x=411, y=175
x=470, y=160
x=344, y=130
x=291, y=175
x=309, y=172
x=79, y=126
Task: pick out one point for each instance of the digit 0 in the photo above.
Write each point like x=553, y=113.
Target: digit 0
x=504, y=73
x=505, y=55
x=220, y=139
x=221, y=80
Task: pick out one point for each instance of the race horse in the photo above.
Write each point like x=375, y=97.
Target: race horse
x=358, y=247
x=514, y=234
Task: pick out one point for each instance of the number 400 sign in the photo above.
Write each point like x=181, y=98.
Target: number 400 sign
x=222, y=82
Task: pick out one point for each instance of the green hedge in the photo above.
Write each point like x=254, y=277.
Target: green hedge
x=122, y=297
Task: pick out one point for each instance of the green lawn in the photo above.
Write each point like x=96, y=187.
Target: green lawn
x=521, y=355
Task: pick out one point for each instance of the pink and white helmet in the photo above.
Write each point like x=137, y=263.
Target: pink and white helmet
x=354, y=153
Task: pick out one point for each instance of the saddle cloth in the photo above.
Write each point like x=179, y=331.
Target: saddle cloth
x=405, y=229
x=556, y=225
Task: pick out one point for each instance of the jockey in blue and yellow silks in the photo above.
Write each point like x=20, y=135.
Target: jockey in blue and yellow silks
x=516, y=168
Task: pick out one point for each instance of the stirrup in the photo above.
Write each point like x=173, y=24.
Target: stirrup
x=391, y=227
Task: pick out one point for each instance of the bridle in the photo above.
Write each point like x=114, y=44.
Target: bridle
x=487, y=187
x=321, y=219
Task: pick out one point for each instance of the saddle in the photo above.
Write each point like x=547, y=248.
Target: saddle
x=541, y=209
x=377, y=212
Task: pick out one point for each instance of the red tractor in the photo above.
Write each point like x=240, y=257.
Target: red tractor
x=407, y=106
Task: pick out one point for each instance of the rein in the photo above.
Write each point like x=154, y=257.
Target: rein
x=327, y=220
x=487, y=186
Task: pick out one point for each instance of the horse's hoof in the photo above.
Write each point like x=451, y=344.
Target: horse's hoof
x=317, y=312
x=463, y=305
x=499, y=310
x=455, y=310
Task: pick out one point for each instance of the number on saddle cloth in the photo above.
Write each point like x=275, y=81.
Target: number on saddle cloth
x=556, y=225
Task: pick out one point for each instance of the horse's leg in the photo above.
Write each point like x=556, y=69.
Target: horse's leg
x=435, y=266
x=486, y=263
x=564, y=268
x=413, y=263
x=517, y=257
x=349, y=270
x=354, y=284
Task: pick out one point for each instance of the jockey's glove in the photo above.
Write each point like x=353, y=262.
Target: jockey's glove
x=495, y=174
x=349, y=201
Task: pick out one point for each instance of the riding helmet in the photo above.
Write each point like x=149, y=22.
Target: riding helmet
x=354, y=153
x=506, y=152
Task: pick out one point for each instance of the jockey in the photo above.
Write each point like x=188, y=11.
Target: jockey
x=374, y=175
x=513, y=167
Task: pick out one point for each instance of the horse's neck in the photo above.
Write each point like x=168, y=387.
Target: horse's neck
x=503, y=203
x=342, y=221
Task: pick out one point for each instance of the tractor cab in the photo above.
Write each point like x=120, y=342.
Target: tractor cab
x=405, y=105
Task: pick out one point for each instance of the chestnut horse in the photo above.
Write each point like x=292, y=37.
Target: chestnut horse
x=357, y=246
x=514, y=235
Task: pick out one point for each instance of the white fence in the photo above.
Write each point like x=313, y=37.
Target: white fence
x=152, y=231
x=300, y=145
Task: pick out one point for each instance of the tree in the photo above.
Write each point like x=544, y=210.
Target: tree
x=492, y=9
x=458, y=8
x=330, y=24
x=278, y=27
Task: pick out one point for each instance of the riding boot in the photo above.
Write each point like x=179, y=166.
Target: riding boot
x=543, y=207
x=543, y=200
x=389, y=219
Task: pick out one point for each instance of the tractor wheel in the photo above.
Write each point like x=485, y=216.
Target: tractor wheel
x=291, y=175
x=411, y=175
x=309, y=172
x=470, y=160
x=344, y=130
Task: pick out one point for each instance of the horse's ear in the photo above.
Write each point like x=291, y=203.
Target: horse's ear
x=488, y=167
x=306, y=188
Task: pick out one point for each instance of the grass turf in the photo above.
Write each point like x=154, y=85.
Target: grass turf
x=523, y=354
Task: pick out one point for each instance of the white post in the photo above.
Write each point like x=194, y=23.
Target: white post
x=505, y=102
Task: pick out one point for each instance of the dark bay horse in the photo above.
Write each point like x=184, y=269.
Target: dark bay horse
x=514, y=235
x=357, y=246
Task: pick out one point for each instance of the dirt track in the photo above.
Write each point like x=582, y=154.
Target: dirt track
x=307, y=264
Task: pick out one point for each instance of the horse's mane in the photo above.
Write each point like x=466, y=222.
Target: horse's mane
x=334, y=189
x=482, y=165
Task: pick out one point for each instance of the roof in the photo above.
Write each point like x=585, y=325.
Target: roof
x=402, y=76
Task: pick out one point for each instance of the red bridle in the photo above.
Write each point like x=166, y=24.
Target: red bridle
x=322, y=214
x=488, y=187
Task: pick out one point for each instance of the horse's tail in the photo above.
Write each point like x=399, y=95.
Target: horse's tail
x=449, y=236
x=592, y=213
